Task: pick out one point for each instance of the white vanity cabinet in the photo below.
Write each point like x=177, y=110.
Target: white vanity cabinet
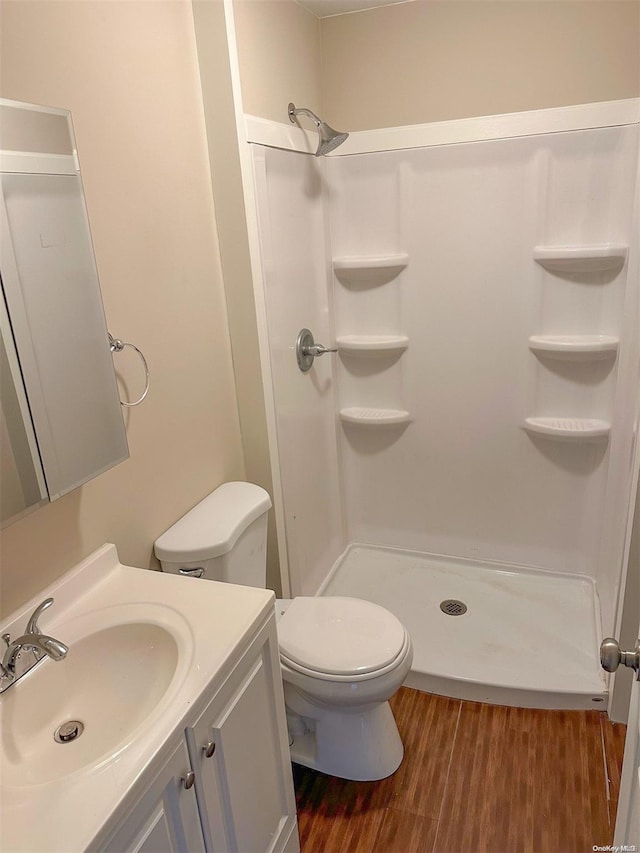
x=164, y=666
x=166, y=818
x=234, y=755
x=239, y=748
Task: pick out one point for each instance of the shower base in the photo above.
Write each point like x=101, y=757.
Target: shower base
x=528, y=638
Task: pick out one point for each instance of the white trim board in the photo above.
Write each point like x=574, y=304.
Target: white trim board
x=553, y=120
x=35, y=163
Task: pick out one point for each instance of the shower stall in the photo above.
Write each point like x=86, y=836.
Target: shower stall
x=463, y=459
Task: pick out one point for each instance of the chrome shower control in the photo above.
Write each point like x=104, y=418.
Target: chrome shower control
x=611, y=656
x=307, y=349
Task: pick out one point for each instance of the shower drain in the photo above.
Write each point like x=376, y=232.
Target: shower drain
x=453, y=607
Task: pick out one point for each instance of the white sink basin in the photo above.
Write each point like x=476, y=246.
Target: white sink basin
x=120, y=672
x=143, y=649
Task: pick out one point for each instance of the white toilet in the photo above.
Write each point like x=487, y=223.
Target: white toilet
x=341, y=658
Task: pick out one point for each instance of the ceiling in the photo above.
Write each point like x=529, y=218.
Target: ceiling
x=325, y=8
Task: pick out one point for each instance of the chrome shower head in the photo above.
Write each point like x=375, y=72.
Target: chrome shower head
x=328, y=137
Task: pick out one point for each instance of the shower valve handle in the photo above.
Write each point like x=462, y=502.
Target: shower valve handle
x=318, y=349
x=307, y=349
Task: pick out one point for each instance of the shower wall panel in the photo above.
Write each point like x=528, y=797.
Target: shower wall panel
x=463, y=477
x=295, y=260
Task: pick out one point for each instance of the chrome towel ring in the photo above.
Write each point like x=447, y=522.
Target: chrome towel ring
x=116, y=345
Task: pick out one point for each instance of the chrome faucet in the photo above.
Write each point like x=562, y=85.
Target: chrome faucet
x=33, y=640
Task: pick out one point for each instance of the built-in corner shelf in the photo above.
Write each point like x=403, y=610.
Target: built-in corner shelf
x=377, y=269
x=367, y=417
x=574, y=429
x=372, y=345
x=575, y=347
x=585, y=258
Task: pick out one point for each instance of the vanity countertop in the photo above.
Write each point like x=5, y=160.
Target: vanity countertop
x=212, y=624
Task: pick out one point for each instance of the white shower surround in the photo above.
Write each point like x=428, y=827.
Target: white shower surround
x=463, y=478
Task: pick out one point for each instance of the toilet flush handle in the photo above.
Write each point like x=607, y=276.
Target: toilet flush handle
x=196, y=572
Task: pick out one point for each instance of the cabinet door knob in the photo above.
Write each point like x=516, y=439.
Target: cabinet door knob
x=209, y=748
x=189, y=779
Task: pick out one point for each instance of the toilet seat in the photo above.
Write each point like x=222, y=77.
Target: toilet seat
x=352, y=678
x=340, y=639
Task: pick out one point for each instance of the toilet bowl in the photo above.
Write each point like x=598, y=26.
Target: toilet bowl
x=341, y=658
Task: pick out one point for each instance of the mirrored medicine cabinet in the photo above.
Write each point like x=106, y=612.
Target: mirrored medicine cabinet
x=60, y=416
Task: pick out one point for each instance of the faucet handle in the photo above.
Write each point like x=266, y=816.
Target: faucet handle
x=32, y=624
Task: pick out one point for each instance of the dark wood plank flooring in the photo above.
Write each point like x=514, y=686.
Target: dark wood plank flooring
x=475, y=779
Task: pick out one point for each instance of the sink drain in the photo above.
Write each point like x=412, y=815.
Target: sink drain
x=71, y=730
x=453, y=607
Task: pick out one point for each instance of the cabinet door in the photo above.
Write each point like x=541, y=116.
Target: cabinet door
x=166, y=819
x=245, y=789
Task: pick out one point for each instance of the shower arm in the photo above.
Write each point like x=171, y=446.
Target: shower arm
x=295, y=111
x=328, y=137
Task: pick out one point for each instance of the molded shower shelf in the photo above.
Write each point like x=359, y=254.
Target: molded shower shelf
x=372, y=345
x=592, y=258
x=575, y=347
x=370, y=268
x=374, y=417
x=581, y=429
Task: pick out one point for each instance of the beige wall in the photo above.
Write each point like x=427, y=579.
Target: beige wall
x=278, y=45
x=12, y=499
x=128, y=72
x=224, y=159
x=432, y=61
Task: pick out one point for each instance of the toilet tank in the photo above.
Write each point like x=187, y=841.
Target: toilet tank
x=223, y=538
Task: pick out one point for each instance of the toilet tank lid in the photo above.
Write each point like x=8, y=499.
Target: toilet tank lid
x=213, y=526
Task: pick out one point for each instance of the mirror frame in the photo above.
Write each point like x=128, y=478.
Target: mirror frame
x=55, y=319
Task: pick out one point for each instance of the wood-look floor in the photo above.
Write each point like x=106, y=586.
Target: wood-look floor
x=474, y=778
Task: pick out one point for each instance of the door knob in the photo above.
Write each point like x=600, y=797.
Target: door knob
x=307, y=349
x=611, y=656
